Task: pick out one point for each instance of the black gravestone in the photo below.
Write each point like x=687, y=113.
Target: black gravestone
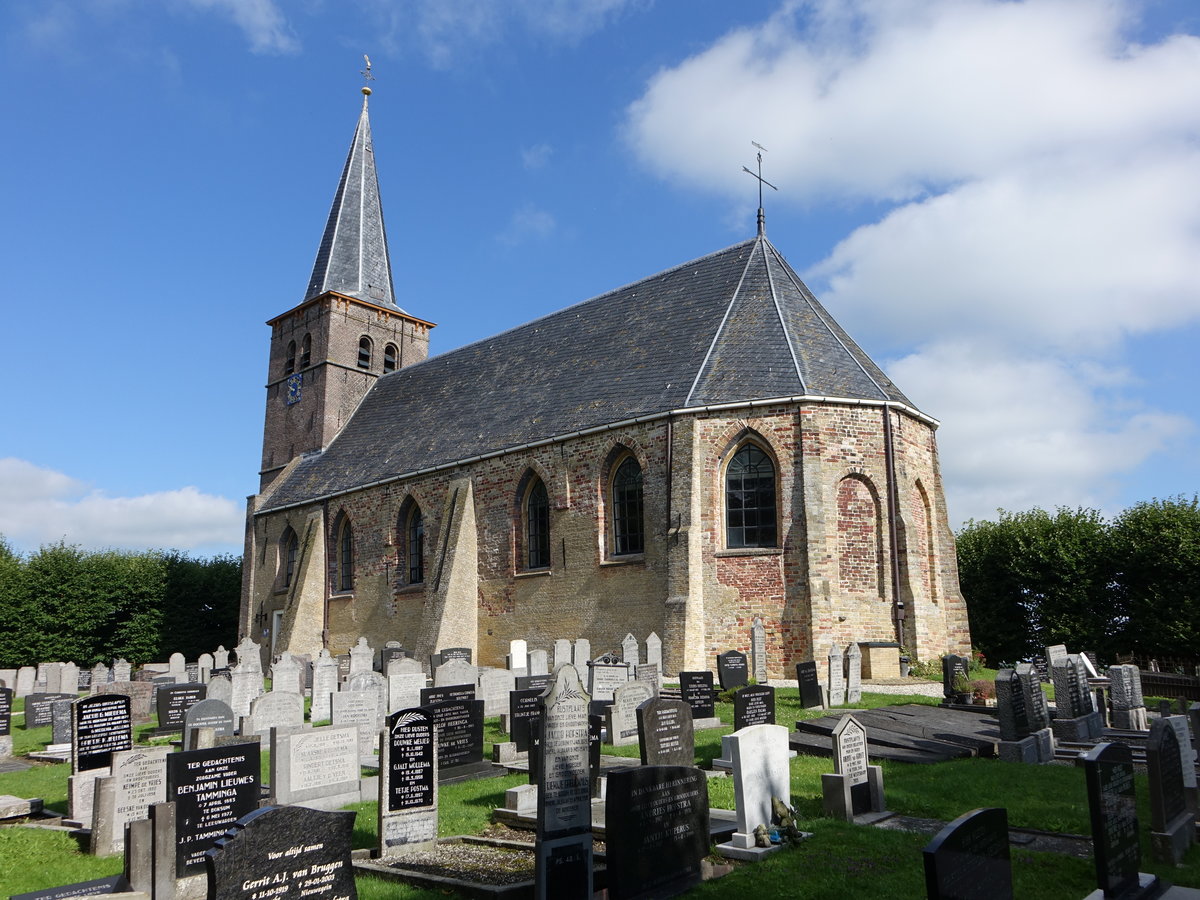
x=969, y=858
x=1164, y=768
x=102, y=725
x=449, y=653
x=460, y=734
x=387, y=654
x=810, y=687
x=595, y=731
x=39, y=708
x=1112, y=806
x=531, y=682
x=952, y=667
x=454, y=693
x=535, y=750
x=1010, y=705
x=598, y=707
x=214, y=714
x=173, y=702
x=696, y=688
x=84, y=682
x=211, y=790
x=284, y=851
x=6, y=698
x=343, y=662
x=732, y=671
x=114, y=884
x=753, y=705
x=665, y=733
x=523, y=708
x=411, y=781
x=657, y=826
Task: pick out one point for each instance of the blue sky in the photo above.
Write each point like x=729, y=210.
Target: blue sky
x=1000, y=201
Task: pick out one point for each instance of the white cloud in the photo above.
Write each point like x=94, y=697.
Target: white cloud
x=261, y=21
x=39, y=505
x=528, y=223
x=537, y=156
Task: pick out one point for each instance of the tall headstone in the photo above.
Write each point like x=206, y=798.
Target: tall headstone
x=247, y=685
x=101, y=726
x=1076, y=719
x=287, y=674
x=853, y=673
x=753, y=705
x=665, y=733
x=622, y=713
x=518, y=656
x=955, y=669
x=582, y=654
x=248, y=654
x=564, y=806
x=732, y=670
x=1112, y=807
x=562, y=653
x=25, y=680
x=809, y=685
x=630, y=650
x=1172, y=824
x=220, y=657
x=362, y=657
x=177, y=667
x=204, y=663
x=376, y=685
x=758, y=650
x=855, y=788
x=539, y=662
x=969, y=858
x=494, y=688
x=759, y=756
x=138, y=780
x=408, y=783
x=325, y=684
x=1187, y=753
x=654, y=650
x=1025, y=735
x=69, y=678
x=696, y=689
x=220, y=687
x=837, y=677
x=203, y=813
x=6, y=705
x=1125, y=695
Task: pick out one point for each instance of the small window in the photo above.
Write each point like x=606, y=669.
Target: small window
x=628, y=534
x=291, y=547
x=750, y=499
x=412, y=525
x=390, y=355
x=343, y=579
x=537, y=526
x=289, y=365
x=306, y=351
x=364, y=353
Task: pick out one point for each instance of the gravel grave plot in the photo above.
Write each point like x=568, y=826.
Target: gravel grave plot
x=468, y=862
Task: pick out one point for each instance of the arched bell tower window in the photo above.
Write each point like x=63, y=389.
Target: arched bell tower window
x=626, y=504
x=412, y=542
x=306, y=351
x=750, y=499
x=364, y=352
x=537, y=525
x=390, y=355
x=343, y=568
x=289, y=365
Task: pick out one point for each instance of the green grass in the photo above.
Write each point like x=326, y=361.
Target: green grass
x=33, y=859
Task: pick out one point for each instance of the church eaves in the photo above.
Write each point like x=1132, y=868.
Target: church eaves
x=352, y=257
x=735, y=326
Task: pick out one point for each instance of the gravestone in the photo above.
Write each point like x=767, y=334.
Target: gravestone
x=1172, y=824
x=99, y=675
x=539, y=662
x=753, y=705
x=581, y=655
x=463, y=654
x=248, y=655
x=969, y=858
x=854, y=791
x=665, y=733
x=274, y=709
x=211, y=790
x=654, y=650
x=854, y=674
x=1025, y=735
x=343, y=664
x=656, y=822
x=564, y=805
x=758, y=650
x=284, y=851
x=954, y=668
x=458, y=693
x=837, y=676
x=622, y=713
x=25, y=680
x=455, y=671
x=630, y=651
x=100, y=725
x=208, y=713
x=494, y=687
x=174, y=701
x=759, y=758
x=247, y=686
x=809, y=685
x=317, y=767
x=696, y=689
x=1125, y=695
x=408, y=783
x=60, y=721
x=204, y=664
x=404, y=688
x=1075, y=717
x=138, y=780
x=39, y=708
x=6, y=704
x=374, y=684
x=562, y=653
x=391, y=650
x=360, y=709
x=99, y=887
x=605, y=677
x=460, y=735
x=648, y=674
x=220, y=687
x=1112, y=808
x=529, y=682
x=220, y=657
x=122, y=670
x=362, y=658
x=518, y=657
x=325, y=684
x=732, y=670
x=523, y=708
x=1056, y=654
x=1187, y=754
x=68, y=678
x=287, y=674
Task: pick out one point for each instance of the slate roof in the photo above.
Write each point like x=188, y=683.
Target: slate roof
x=352, y=257
x=736, y=325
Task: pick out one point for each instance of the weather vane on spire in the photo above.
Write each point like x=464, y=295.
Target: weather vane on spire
x=761, y=182
x=367, y=76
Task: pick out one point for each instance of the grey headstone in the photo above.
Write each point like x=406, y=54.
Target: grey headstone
x=854, y=674
x=837, y=677
x=404, y=688
x=562, y=653
x=325, y=683
x=287, y=674
x=583, y=654
x=622, y=713
x=665, y=733
x=456, y=671
x=518, y=655
x=408, y=783
x=220, y=658
x=316, y=767
x=361, y=709
x=362, y=657
x=630, y=650
x=494, y=687
x=604, y=679
x=539, y=663
x=248, y=656
x=275, y=709
x=654, y=650
x=758, y=650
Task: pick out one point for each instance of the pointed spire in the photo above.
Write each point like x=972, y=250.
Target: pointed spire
x=352, y=258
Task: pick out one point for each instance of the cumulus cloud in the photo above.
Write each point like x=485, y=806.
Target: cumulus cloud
x=261, y=21
x=1028, y=171
x=40, y=505
x=537, y=156
x=528, y=223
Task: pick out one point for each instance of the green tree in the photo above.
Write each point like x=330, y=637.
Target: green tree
x=200, y=604
x=13, y=629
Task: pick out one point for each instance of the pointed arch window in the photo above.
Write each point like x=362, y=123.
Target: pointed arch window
x=343, y=574
x=412, y=543
x=364, y=352
x=390, y=356
x=289, y=365
x=626, y=504
x=306, y=351
x=290, y=545
x=750, y=519
x=537, y=526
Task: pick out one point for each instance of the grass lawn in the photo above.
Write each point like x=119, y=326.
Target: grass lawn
x=840, y=860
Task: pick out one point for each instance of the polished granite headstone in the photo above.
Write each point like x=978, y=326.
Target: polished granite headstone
x=665, y=733
x=455, y=693
x=39, y=708
x=114, y=884
x=284, y=851
x=6, y=702
x=102, y=725
x=211, y=790
x=174, y=701
x=733, y=670
x=529, y=682
x=753, y=704
x=696, y=689
x=969, y=858
x=953, y=668
x=460, y=734
x=408, y=782
x=1112, y=807
x=214, y=714
x=523, y=708
x=809, y=684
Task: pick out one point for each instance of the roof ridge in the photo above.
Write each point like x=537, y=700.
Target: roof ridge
x=787, y=334
x=724, y=320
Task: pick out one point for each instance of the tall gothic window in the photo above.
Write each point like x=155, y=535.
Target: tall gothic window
x=628, y=534
x=750, y=499
x=412, y=528
x=537, y=526
x=344, y=568
x=306, y=351
x=289, y=365
x=390, y=355
x=364, y=352
x=291, y=547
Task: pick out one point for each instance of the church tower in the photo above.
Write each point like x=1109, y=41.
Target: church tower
x=348, y=331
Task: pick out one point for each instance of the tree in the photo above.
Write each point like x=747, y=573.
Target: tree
x=200, y=604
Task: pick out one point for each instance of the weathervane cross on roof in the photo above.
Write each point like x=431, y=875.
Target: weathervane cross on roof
x=366, y=73
x=761, y=182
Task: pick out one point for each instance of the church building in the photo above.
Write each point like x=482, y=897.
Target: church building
x=681, y=455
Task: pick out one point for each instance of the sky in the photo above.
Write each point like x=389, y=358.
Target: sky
x=1000, y=201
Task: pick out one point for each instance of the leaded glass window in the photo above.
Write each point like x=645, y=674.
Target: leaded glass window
x=750, y=499
x=628, y=536
x=537, y=527
x=415, y=534
x=345, y=558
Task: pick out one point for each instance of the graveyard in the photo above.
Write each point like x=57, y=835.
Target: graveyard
x=564, y=775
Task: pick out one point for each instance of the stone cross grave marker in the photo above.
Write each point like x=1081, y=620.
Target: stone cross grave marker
x=969, y=858
x=564, y=805
x=732, y=670
x=758, y=650
x=622, y=713
x=408, y=783
x=211, y=789
x=696, y=689
x=753, y=705
x=292, y=849
x=665, y=733
x=853, y=673
x=837, y=677
x=809, y=685
x=1172, y=824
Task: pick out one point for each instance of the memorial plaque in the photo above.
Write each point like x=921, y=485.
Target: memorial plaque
x=114, y=884
x=102, y=725
x=408, y=782
x=809, y=684
x=604, y=679
x=211, y=790
x=657, y=826
x=696, y=689
x=39, y=708
x=1112, y=806
x=530, y=682
x=969, y=858
x=732, y=670
x=284, y=851
x=753, y=705
x=665, y=733
x=523, y=708
x=173, y=703
x=455, y=693
x=460, y=733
